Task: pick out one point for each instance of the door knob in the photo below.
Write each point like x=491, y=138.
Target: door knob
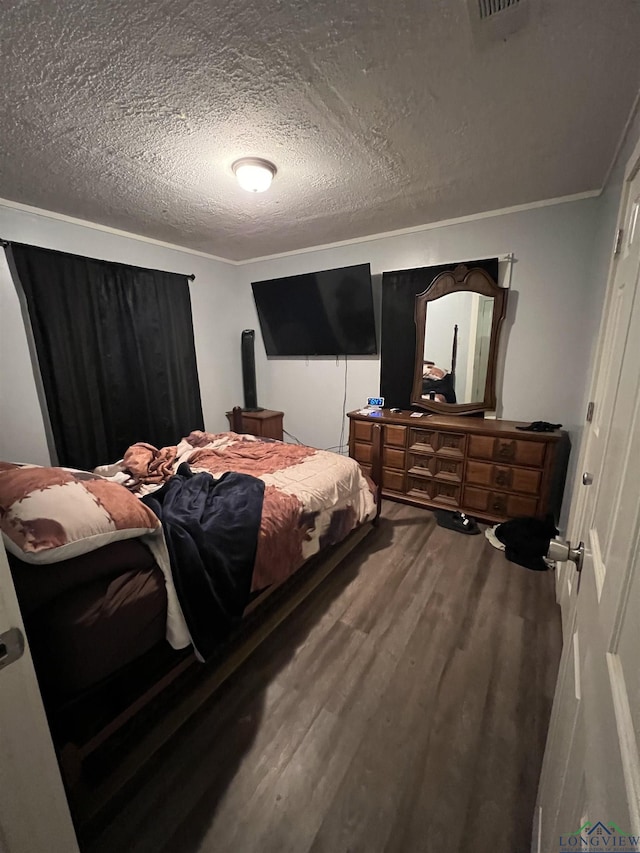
x=587, y=479
x=562, y=551
x=11, y=646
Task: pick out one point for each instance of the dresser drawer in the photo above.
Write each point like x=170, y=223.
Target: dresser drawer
x=393, y=480
x=423, y=439
x=362, y=430
x=449, y=469
x=526, y=480
x=451, y=444
x=445, y=494
x=420, y=487
x=512, y=450
x=392, y=457
x=436, y=466
x=362, y=452
x=395, y=435
x=500, y=504
x=432, y=441
x=422, y=465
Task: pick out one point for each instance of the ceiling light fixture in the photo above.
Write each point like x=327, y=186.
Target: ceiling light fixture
x=254, y=174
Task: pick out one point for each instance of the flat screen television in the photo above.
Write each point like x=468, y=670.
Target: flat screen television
x=321, y=313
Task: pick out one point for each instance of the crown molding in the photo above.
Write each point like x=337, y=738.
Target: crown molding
x=623, y=138
x=416, y=229
x=430, y=226
x=107, y=229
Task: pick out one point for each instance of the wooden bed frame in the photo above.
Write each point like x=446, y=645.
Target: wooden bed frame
x=261, y=617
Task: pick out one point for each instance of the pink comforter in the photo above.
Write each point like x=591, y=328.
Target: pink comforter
x=313, y=499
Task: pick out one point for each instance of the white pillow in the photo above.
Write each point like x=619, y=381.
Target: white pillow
x=50, y=514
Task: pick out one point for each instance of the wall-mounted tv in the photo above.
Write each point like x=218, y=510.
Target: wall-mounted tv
x=321, y=313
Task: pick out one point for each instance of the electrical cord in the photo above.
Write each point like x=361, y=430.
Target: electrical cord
x=291, y=435
x=341, y=448
x=344, y=406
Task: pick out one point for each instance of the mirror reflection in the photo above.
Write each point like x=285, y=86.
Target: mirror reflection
x=456, y=347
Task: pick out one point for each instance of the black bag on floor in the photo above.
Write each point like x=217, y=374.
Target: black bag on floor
x=526, y=540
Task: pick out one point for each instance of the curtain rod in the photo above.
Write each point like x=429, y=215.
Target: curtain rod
x=5, y=243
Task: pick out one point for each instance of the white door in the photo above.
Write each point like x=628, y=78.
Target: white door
x=481, y=349
x=34, y=817
x=590, y=783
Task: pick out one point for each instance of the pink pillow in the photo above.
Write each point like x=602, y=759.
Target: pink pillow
x=51, y=514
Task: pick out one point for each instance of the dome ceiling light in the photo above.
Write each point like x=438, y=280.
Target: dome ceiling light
x=254, y=174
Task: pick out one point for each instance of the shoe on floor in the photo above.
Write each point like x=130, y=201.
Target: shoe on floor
x=457, y=521
x=490, y=533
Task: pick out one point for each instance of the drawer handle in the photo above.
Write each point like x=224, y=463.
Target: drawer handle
x=498, y=505
x=507, y=449
x=502, y=478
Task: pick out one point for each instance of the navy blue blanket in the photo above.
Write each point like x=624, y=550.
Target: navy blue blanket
x=211, y=529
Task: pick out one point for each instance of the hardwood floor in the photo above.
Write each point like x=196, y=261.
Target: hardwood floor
x=403, y=708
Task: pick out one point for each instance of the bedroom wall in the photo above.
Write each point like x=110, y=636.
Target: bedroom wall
x=557, y=288
x=546, y=353
x=217, y=321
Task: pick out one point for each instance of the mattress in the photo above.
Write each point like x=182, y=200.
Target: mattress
x=313, y=499
x=88, y=617
x=37, y=585
x=92, y=615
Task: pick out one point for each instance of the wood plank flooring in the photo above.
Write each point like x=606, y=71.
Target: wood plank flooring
x=403, y=708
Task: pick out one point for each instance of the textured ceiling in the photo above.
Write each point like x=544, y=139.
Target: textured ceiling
x=379, y=115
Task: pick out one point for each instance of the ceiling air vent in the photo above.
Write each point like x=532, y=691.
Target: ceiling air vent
x=496, y=20
x=487, y=8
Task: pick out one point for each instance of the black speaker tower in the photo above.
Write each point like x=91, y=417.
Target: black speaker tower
x=249, y=372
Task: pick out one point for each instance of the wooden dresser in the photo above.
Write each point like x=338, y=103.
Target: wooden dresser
x=486, y=468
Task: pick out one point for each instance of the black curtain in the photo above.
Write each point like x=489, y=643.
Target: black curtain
x=398, y=345
x=115, y=350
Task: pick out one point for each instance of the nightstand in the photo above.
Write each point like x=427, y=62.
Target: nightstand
x=265, y=424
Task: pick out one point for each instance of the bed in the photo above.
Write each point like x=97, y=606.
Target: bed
x=438, y=383
x=109, y=626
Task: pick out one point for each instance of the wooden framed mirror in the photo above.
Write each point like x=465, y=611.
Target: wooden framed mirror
x=458, y=320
